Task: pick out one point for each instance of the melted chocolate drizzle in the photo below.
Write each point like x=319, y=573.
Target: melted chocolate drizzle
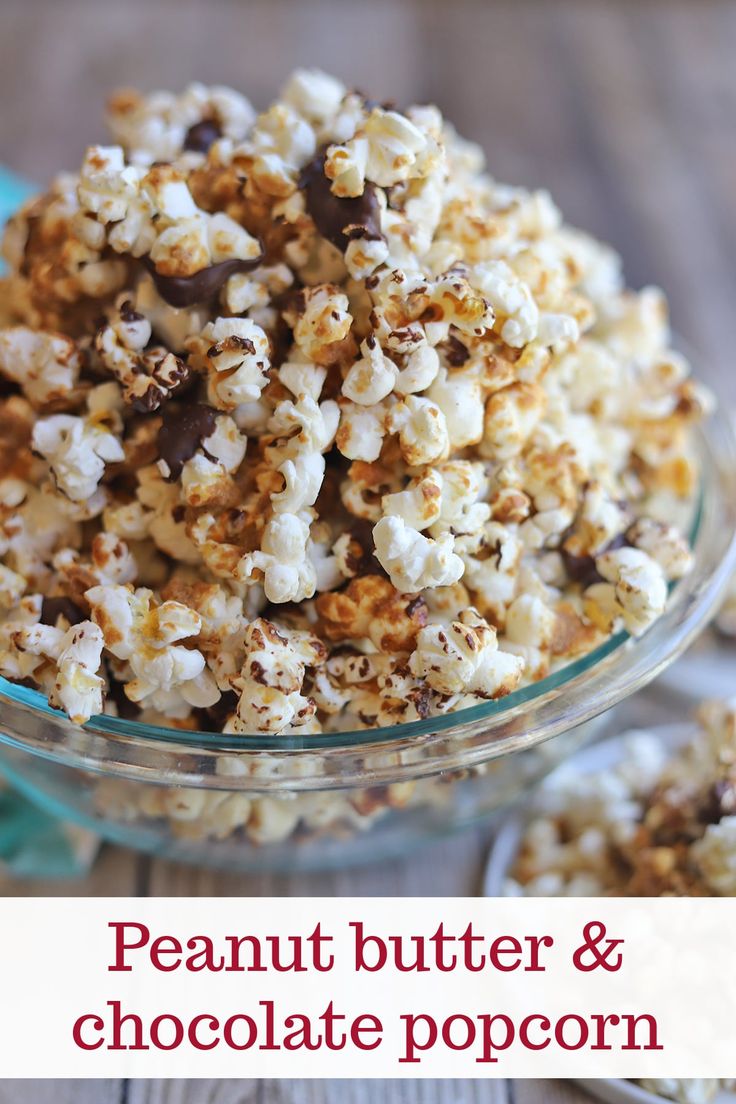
x=182, y=432
x=339, y=220
x=582, y=569
x=185, y=291
x=455, y=352
x=202, y=135
x=53, y=608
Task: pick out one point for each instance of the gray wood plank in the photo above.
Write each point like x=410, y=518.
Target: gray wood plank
x=179, y=1091
x=60, y=1092
x=319, y=1092
x=535, y=1091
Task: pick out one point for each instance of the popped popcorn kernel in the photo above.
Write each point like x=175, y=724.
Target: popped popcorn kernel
x=464, y=657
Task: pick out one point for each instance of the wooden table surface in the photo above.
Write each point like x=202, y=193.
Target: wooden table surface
x=292, y=1092
x=625, y=110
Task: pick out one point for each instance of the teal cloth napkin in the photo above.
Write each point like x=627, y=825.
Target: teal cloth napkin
x=32, y=842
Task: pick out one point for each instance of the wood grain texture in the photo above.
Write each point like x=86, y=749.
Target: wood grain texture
x=60, y=1092
x=534, y=1091
x=177, y=1091
x=319, y=1092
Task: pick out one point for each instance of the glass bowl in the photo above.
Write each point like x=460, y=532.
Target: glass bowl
x=306, y=802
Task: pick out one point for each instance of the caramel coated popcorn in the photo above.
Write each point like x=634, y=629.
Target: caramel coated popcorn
x=659, y=823
x=309, y=424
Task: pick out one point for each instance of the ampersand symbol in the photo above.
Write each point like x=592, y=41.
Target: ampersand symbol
x=594, y=933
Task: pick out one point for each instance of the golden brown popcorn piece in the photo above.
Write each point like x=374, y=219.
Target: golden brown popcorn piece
x=371, y=608
x=573, y=635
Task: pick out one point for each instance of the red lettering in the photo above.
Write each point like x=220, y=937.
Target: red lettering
x=411, y=1043
x=97, y=1024
x=363, y=941
x=193, y=1032
x=121, y=946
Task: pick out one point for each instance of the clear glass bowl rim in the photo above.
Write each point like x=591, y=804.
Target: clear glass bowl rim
x=457, y=740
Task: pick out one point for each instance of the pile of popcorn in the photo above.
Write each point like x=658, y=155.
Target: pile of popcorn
x=689, y=1090
x=658, y=823
x=307, y=423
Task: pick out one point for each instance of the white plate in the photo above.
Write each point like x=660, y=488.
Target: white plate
x=607, y=753
x=614, y=1091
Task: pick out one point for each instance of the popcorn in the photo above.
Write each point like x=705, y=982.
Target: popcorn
x=372, y=378
x=12, y=586
x=272, y=676
x=372, y=609
x=659, y=822
x=279, y=144
x=635, y=593
x=148, y=375
x=715, y=855
x=77, y=451
x=422, y=430
x=414, y=562
x=314, y=94
x=298, y=458
x=160, y=126
x=459, y=397
x=386, y=150
x=235, y=353
x=516, y=313
x=491, y=558
x=692, y=1090
x=511, y=416
x=664, y=544
x=528, y=632
x=361, y=432
x=323, y=324
x=464, y=657
x=78, y=688
x=288, y=573
x=145, y=635
x=420, y=505
x=45, y=365
x=314, y=371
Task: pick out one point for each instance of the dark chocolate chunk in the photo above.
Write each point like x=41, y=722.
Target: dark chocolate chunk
x=185, y=291
x=202, y=135
x=127, y=314
x=720, y=801
x=339, y=220
x=293, y=299
x=182, y=432
x=53, y=608
x=361, y=558
x=369, y=103
x=127, y=709
x=214, y=717
x=455, y=352
x=417, y=605
x=582, y=569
